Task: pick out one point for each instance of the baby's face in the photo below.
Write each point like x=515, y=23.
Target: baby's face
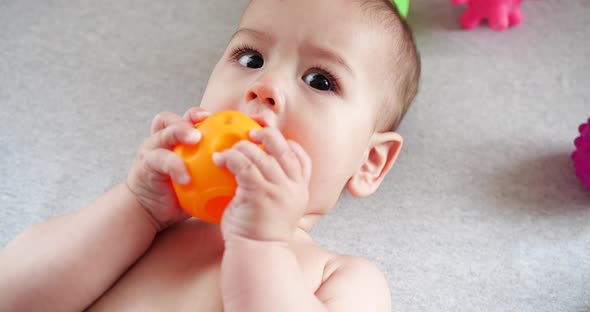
x=312, y=69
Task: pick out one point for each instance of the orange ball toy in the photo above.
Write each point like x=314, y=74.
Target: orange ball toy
x=211, y=188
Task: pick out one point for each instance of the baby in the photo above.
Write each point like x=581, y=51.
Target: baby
x=330, y=80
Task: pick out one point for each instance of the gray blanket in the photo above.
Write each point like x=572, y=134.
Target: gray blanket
x=482, y=212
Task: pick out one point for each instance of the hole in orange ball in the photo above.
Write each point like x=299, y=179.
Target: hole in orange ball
x=230, y=120
x=224, y=142
x=187, y=152
x=214, y=207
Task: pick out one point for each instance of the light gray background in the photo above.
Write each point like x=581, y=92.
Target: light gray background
x=481, y=213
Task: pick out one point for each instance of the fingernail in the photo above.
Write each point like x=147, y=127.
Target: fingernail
x=216, y=158
x=199, y=115
x=254, y=133
x=194, y=136
x=184, y=178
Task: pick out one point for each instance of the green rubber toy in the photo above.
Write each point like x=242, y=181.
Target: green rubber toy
x=403, y=6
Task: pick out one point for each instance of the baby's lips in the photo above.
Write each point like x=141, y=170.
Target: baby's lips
x=260, y=121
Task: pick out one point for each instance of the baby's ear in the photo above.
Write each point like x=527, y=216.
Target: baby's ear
x=378, y=160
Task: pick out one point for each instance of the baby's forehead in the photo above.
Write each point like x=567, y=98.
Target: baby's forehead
x=343, y=26
x=322, y=16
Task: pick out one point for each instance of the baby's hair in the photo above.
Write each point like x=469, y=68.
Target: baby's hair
x=404, y=65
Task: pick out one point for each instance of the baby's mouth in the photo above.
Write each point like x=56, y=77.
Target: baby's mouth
x=260, y=121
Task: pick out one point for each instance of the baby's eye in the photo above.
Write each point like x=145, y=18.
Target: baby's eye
x=320, y=80
x=250, y=59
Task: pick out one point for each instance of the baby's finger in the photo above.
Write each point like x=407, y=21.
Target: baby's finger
x=247, y=174
x=179, y=133
x=303, y=158
x=276, y=145
x=267, y=165
x=167, y=163
x=195, y=115
x=163, y=120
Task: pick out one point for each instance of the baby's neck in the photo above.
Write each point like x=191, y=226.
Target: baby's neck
x=301, y=235
x=307, y=221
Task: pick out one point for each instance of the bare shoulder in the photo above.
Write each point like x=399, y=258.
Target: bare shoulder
x=353, y=284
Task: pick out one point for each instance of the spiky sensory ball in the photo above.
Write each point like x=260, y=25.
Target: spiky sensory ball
x=581, y=156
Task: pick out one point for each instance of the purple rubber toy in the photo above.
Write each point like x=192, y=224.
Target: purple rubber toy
x=581, y=156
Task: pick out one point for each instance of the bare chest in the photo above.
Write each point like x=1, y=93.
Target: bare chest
x=181, y=272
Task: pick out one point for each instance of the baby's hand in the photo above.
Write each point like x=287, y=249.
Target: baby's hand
x=155, y=164
x=272, y=192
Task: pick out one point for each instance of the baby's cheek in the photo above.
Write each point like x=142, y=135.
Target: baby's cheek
x=216, y=101
x=328, y=173
x=222, y=92
x=324, y=190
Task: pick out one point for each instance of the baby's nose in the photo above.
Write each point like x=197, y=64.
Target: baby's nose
x=267, y=92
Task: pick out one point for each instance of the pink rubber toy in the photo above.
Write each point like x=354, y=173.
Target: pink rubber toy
x=581, y=156
x=500, y=14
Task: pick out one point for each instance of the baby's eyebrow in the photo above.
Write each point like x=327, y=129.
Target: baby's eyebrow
x=254, y=33
x=320, y=52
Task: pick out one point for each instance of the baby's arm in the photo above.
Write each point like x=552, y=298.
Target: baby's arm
x=66, y=263
x=265, y=276
x=259, y=271
x=354, y=284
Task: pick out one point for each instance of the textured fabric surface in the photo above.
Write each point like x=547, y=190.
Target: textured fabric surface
x=482, y=212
